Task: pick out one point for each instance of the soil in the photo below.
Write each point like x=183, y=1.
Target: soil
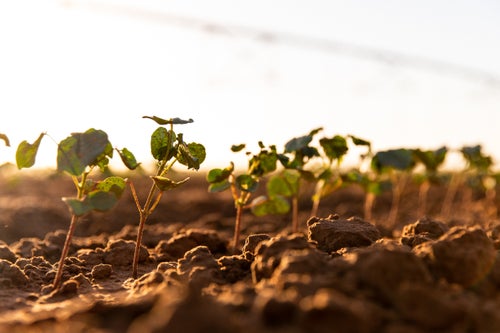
x=340, y=273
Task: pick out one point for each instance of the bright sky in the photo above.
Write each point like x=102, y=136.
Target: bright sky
x=399, y=73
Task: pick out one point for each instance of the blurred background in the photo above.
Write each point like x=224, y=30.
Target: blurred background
x=412, y=74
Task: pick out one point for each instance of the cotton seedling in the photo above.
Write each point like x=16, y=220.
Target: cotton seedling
x=78, y=155
x=167, y=148
x=243, y=185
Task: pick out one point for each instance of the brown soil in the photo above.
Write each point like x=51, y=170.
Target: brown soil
x=340, y=274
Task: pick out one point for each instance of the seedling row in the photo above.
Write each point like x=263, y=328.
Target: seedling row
x=312, y=158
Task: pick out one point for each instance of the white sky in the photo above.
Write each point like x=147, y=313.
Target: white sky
x=66, y=66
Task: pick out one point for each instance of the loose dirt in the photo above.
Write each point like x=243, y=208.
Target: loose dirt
x=341, y=273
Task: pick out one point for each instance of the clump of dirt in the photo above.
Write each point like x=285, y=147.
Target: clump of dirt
x=340, y=271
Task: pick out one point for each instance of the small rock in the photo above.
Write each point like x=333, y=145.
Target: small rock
x=101, y=271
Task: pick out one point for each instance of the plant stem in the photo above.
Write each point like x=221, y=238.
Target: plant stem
x=368, y=206
x=422, y=198
x=80, y=192
x=143, y=216
x=399, y=184
x=237, y=227
x=65, y=250
x=455, y=182
x=295, y=213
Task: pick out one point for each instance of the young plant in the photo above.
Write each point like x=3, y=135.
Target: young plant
x=477, y=168
x=397, y=164
x=431, y=160
x=286, y=184
x=78, y=155
x=242, y=186
x=167, y=148
x=367, y=179
x=328, y=178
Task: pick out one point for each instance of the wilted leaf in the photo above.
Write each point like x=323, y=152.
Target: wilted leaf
x=26, y=153
x=128, y=159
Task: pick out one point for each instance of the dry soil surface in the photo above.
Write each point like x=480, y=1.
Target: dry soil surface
x=340, y=273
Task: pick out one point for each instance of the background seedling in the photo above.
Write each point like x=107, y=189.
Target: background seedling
x=328, y=178
x=78, y=155
x=297, y=153
x=397, y=164
x=167, y=148
x=242, y=186
x=431, y=160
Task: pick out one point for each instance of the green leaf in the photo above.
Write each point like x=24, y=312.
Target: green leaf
x=113, y=184
x=335, y=148
x=398, y=159
x=247, y=183
x=476, y=158
x=285, y=184
x=277, y=205
x=431, y=159
x=80, y=150
x=101, y=201
x=78, y=207
x=5, y=139
x=162, y=144
x=171, y=121
x=218, y=175
x=26, y=152
x=299, y=143
x=237, y=148
x=191, y=155
x=263, y=163
x=128, y=159
x=360, y=142
x=219, y=186
x=165, y=184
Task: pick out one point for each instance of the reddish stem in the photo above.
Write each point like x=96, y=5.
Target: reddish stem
x=237, y=227
x=65, y=250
